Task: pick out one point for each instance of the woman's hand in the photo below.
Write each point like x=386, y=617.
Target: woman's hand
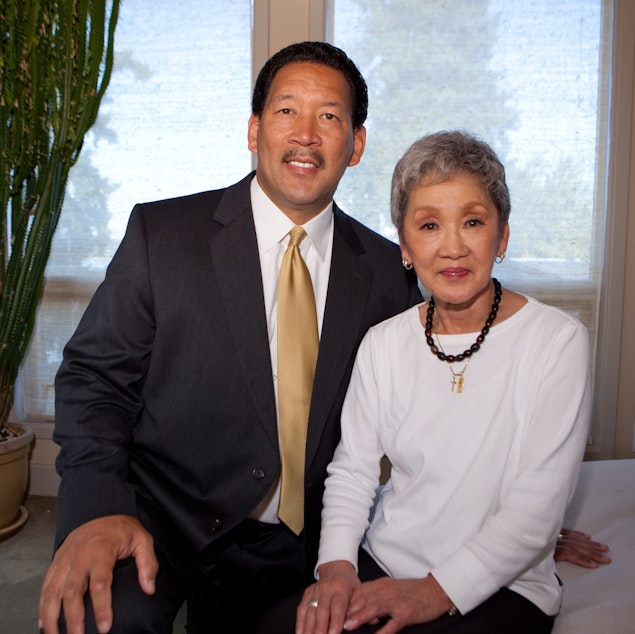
x=578, y=548
x=405, y=601
x=325, y=603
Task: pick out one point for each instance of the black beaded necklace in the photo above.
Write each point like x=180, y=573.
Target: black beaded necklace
x=476, y=346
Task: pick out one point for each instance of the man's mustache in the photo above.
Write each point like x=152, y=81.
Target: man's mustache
x=307, y=156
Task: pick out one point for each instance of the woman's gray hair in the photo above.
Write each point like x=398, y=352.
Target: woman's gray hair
x=438, y=157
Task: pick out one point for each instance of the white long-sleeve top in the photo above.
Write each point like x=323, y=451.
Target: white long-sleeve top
x=480, y=480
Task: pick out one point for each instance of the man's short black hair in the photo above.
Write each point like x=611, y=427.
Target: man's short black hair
x=315, y=53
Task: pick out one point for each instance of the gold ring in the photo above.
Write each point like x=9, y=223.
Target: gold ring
x=313, y=604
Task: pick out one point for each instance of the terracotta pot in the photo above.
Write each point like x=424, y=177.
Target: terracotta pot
x=14, y=479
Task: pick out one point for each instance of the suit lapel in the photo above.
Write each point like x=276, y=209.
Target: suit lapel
x=349, y=285
x=234, y=251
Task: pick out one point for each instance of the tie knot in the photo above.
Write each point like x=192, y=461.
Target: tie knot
x=297, y=234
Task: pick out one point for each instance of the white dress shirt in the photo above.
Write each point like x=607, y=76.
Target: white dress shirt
x=272, y=232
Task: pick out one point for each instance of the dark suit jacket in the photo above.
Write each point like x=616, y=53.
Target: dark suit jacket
x=165, y=403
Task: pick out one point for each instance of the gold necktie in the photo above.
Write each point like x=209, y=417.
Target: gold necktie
x=297, y=355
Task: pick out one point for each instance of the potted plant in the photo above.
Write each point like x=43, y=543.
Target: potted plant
x=55, y=64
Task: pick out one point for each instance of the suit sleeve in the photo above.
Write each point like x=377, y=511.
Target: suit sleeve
x=98, y=388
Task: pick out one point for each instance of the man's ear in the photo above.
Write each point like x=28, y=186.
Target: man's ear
x=252, y=133
x=359, y=143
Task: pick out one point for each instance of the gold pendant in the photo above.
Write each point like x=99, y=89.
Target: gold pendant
x=458, y=384
x=458, y=381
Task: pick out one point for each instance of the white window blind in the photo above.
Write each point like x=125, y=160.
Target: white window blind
x=531, y=77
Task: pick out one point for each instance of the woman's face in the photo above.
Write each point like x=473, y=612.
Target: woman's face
x=451, y=234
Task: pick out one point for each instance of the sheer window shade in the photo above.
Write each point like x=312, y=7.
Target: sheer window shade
x=531, y=77
x=173, y=122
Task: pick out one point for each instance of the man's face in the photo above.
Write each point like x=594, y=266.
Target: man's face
x=305, y=138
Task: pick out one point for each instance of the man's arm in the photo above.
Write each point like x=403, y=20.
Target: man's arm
x=98, y=389
x=98, y=400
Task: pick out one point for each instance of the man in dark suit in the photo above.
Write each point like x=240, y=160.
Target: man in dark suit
x=166, y=401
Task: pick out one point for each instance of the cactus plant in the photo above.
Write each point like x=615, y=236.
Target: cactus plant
x=55, y=64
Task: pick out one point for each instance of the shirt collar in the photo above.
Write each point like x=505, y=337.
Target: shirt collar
x=272, y=225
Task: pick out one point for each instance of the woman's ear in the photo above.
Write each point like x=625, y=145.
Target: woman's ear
x=504, y=239
x=406, y=260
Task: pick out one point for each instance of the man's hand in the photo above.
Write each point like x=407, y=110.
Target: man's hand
x=85, y=562
x=578, y=548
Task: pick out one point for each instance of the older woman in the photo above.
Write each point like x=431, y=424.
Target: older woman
x=480, y=399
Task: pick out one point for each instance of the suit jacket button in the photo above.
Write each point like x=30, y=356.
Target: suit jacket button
x=258, y=473
x=216, y=525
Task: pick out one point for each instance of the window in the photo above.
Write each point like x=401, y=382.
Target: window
x=173, y=122
x=546, y=83
x=525, y=76
x=530, y=78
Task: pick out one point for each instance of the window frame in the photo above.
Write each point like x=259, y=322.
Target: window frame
x=621, y=112
x=271, y=29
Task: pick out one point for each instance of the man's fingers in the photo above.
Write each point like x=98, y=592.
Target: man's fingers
x=49, y=607
x=64, y=587
x=100, y=590
x=147, y=563
x=85, y=563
